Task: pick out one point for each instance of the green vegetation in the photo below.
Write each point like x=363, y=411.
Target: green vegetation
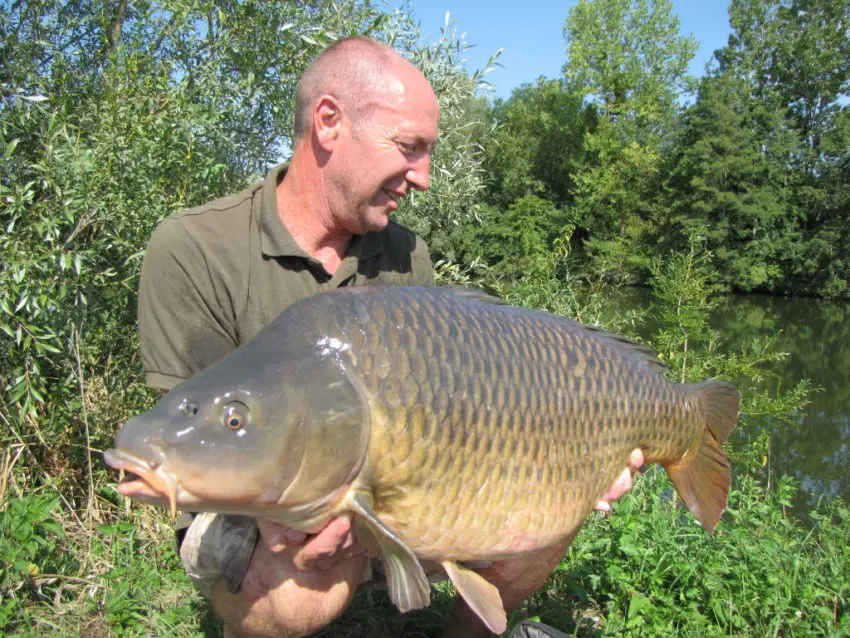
x=115, y=114
x=753, y=157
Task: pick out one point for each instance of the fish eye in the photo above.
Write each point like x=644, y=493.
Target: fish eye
x=235, y=415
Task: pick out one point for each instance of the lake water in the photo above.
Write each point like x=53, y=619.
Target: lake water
x=815, y=446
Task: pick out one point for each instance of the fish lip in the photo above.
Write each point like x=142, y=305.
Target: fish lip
x=154, y=484
x=121, y=460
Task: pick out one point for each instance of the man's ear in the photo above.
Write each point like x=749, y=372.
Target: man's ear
x=327, y=121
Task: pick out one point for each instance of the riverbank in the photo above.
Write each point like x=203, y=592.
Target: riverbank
x=646, y=570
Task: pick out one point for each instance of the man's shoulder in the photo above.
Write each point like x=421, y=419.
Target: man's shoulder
x=225, y=220
x=397, y=235
x=217, y=211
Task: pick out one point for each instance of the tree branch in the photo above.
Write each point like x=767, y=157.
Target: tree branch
x=113, y=35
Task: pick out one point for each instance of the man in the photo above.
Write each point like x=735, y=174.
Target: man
x=366, y=123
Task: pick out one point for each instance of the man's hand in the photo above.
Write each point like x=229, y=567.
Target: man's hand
x=335, y=542
x=295, y=584
x=623, y=483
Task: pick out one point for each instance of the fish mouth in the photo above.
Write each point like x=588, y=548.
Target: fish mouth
x=143, y=480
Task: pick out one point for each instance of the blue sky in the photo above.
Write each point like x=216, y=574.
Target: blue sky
x=531, y=34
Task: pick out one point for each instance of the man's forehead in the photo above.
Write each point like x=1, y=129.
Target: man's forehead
x=400, y=89
x=408, y=100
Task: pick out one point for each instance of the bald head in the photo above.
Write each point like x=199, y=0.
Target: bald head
x=354, y=70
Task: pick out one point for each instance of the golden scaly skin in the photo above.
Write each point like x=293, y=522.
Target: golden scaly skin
x=494, y=429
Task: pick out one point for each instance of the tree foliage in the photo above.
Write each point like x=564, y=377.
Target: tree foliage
x=761, y=164
x=725, y=186
x=539, y=143
x=518, y=242
x=756, y=165
x=628, y=58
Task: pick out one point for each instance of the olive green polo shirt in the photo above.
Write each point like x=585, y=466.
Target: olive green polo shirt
x=215, y=275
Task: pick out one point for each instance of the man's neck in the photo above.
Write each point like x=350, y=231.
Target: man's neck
x=303, y=210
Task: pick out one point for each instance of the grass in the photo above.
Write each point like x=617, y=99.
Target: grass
x=648, y=570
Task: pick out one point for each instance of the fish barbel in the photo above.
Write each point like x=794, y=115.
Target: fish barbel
x=450, y=427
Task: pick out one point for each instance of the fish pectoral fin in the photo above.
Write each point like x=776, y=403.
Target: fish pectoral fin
x=481, y=595
x=409, y=587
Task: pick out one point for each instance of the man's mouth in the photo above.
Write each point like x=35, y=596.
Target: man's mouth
x=395, y=197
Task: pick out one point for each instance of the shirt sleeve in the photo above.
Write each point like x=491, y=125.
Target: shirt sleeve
x=420, y=264
x=183, y=326
x=218, y=546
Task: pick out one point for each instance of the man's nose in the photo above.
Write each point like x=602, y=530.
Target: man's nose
x=419, y=173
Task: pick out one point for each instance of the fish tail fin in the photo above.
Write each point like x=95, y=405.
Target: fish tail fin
x=703, y=480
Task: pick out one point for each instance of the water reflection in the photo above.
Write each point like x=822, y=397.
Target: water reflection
x=816, y=334
x=815, y=446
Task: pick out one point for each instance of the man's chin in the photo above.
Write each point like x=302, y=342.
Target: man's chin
x=376, y=222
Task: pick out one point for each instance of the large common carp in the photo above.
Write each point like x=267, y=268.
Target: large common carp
x=451, y=427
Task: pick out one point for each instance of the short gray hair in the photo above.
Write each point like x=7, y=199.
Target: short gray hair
x=352, y=70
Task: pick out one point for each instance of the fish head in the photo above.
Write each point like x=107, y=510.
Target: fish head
x=253, y=435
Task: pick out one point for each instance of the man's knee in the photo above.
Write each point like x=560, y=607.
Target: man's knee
x=245, y=619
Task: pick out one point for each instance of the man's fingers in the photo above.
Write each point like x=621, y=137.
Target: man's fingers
x=603, y=506
x=624, y=482
x=321, y=550
x=279, y=537
x=622, y=485
x=636, y=461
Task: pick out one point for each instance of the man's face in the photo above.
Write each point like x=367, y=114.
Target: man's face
x=381, y=159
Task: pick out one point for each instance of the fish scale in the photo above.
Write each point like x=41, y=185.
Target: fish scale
x=457, y=365
x=451, y=427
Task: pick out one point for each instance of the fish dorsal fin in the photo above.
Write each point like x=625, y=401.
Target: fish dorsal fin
x=481, y=595
x=408, y=585
x=643, y=351
x=474, y=294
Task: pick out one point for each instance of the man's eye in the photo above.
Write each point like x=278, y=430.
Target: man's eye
x=407, y=149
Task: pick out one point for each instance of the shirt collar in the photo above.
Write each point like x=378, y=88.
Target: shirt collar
x=277, y=241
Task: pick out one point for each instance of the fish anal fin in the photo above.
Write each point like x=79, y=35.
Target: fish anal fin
x=703, y=482
x=408, y=586
x=481, y=595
